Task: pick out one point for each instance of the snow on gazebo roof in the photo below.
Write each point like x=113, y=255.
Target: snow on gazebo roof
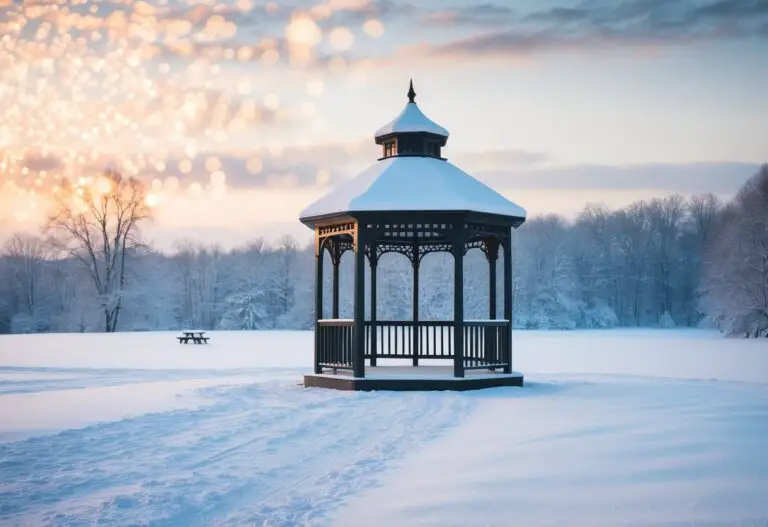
x=411, y=119
x=412, y=183
x=412, y=180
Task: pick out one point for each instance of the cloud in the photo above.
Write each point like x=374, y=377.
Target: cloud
x=473, y=15
x=683, y=178
x=292, y=167
x=490, y=160
x=37, y=161
x=595, y=26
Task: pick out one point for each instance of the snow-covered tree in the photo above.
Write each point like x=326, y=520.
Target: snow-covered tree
x=26, y=260
x=736, y=263
x=199, y=295
x=636, y=266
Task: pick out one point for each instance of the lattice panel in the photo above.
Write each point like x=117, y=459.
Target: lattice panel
x=406, y=249
x=485, y=230
x=477, y=243
x=489, y=246
x=434, y=248
x=337, y=246
x=409, y=231
x=334, y=230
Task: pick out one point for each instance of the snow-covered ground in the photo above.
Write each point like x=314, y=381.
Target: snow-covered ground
x=625, y=427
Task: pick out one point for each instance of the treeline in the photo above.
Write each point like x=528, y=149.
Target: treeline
x=660, y=263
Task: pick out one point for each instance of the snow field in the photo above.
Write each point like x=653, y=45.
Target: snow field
x=624, y=427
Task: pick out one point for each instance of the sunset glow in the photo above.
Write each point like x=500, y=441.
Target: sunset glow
x=261, y=99
x=146, y=88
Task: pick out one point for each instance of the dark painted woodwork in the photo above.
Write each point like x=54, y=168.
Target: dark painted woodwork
x=374, y=263
x=336, y=261
x=483, y=341
x=470, y=345
x=337, y=224
x=359, y=330
x=394, y=339
x=415, y=262
x=412, y=144
x=507, y=244
x=336, y=344
x=342, y=382
x=458, y=303
x=492, y=254
x=318, y=302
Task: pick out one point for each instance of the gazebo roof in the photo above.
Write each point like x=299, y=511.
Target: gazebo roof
x=412, y=177
x=411, y=119
x=412, y=183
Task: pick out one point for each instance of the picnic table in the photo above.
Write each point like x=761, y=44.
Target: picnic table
x=196, y=337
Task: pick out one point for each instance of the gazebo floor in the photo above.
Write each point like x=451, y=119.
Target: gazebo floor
x=409, y=378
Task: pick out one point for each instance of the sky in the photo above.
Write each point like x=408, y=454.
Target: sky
x=239, y=114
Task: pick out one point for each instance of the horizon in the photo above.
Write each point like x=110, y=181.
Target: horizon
x=239, y=115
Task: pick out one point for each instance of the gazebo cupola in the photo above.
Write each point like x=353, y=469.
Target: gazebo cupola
x=411, y=133
x=414, y=202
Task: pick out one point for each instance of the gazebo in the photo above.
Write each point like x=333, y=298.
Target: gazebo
x=414, y=202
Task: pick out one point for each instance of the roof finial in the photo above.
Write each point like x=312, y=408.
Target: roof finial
x=411, y=93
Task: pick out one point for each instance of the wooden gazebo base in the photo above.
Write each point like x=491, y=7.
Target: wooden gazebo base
x=410, y=379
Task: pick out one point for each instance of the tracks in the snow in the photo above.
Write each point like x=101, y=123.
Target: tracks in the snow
x=268, y=453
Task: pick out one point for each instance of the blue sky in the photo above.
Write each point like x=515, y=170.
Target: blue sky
x=555, y=103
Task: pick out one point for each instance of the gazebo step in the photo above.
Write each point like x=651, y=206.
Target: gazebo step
x=404, y=378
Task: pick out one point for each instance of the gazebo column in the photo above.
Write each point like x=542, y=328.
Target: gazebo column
x=492, y=253
x=374, y=260
x=507, y=350
x=358, y=332
x=458, y=302
x=415, y=263
x=492, y=248
x=318, y=299
x=336, y=261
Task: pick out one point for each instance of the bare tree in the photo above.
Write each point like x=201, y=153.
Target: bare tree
x=199, y=269
x=703, y=211
x=665, y=216
x=26, y=253
x=98, y=224
x=736, y=267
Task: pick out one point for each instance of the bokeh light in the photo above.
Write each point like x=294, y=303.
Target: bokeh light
x=315, y=87
x=161, y=89
x=341, y=38
x=373, y=28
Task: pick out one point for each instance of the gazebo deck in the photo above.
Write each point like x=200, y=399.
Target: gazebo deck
x=409, y=378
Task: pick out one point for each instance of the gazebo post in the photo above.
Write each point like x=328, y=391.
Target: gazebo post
x=336, y=261
x=358, y=332
x=374, y=261
x=492, y=253
x=508, y=302
x=415, y=263
x=458, y=301
x=318, y=297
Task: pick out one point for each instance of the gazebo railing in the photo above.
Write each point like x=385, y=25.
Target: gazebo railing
x=484, y=344
x=484, y=341
x=334, y=343
x=394, y=339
